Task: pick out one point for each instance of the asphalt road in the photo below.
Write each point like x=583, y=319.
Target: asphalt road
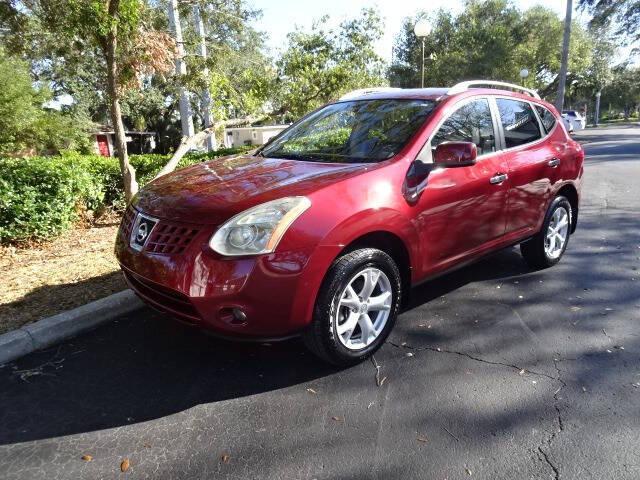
x=497, y=372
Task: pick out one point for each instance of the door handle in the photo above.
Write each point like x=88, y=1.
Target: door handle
x=554, y=162
x=499, y=178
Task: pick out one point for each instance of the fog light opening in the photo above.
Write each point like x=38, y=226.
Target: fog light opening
x=233, y=316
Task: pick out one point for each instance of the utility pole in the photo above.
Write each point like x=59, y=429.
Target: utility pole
x=181, y=69
x=206, y=96
x=562, y=80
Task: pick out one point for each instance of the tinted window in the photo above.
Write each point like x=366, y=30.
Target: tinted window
x=357, y=131
x=470, y=123
x=547, y=118
x=518, y=122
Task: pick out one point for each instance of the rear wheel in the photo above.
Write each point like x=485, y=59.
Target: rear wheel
x=547, y=247
x=356, y=307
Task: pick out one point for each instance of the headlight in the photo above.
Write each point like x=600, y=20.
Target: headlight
x=258, y=229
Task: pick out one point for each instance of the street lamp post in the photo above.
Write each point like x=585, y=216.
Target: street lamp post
x=524, y=73
x=422, y=30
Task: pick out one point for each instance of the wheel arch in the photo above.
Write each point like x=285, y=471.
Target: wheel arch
x=570, y=192
x=392, y=245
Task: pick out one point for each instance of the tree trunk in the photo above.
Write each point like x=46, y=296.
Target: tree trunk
x=111, y=48
x=564, y=63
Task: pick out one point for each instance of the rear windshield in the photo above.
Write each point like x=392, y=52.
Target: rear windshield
x=352, y=132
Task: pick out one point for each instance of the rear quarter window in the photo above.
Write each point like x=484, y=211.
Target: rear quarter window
x=547, y=118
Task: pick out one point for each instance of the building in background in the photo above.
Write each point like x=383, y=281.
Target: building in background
x=137, y=142
x=241, y=136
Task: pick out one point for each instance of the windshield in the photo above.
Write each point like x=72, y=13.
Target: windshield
x=352, y=132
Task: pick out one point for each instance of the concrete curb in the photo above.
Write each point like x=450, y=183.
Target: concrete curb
x=51, y=330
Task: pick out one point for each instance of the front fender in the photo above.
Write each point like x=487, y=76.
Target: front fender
x=336, y=240
x=375, y=220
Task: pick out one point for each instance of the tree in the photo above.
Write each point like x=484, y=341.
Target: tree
x=623, y=92
x=625, y=14
x=322, y=64
x=26, y=126
x=491, y=39
x=236, y=73
x=114, y=31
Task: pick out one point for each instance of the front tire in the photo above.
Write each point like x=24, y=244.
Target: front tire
x=356, y=308
x=547, y=247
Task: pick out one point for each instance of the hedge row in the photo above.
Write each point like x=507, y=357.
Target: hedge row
x=40, y=197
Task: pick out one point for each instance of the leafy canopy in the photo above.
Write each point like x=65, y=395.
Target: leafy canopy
x=624, y=14
x=320, y=65
x=26, y=126
x=491, y=39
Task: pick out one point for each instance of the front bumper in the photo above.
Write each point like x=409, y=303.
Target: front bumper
x=276, y=291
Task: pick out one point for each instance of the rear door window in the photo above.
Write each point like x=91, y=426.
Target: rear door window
x=548, y=119
x=519, y=123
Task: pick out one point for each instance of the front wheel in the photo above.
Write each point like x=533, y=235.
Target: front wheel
x=356, y=307
x=547, y=247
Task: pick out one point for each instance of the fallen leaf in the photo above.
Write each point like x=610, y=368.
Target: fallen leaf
x=468, y=471
x=521, y=372
x=87, y=458
x=124, y=466
x=337, y=419
x=584, y=389
x=382, y=381
x=575, y=309
x=147, y=445
x=311, y=390
x=422, y=439
x=409, y=354
x=225, y=457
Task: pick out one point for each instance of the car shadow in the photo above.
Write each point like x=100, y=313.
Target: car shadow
x=146, y=366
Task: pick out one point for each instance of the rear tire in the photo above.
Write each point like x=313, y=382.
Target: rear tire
x=547, y=247
x=349, y=321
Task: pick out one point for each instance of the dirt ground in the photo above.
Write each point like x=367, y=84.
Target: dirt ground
x=41, y=280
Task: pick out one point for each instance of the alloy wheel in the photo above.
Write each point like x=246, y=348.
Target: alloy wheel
x=363, y=308
x=557, y=233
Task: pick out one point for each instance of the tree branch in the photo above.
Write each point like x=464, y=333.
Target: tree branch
x=187, y=143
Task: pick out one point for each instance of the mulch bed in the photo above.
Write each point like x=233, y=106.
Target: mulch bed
x=41, y=280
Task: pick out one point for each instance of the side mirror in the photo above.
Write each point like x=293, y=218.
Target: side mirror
x=455, y=154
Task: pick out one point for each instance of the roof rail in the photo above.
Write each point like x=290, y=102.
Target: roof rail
x=462, y=86
x=367, y=91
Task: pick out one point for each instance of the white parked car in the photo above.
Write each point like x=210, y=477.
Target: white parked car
x=568, y=124
x=577, y=120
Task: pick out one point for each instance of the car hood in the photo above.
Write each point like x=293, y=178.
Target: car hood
x=213, y=191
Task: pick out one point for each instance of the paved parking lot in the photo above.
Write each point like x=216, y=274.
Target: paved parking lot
x=496, y=372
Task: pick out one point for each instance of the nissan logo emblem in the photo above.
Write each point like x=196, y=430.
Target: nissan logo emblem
x=142, y=232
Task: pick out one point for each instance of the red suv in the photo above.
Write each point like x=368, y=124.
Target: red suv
x=323, y=231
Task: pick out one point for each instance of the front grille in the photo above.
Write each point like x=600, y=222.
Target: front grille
x=167, y=238
x=128, y=220
x=162, y=297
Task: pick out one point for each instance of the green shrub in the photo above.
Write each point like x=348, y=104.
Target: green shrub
x=40, y=197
